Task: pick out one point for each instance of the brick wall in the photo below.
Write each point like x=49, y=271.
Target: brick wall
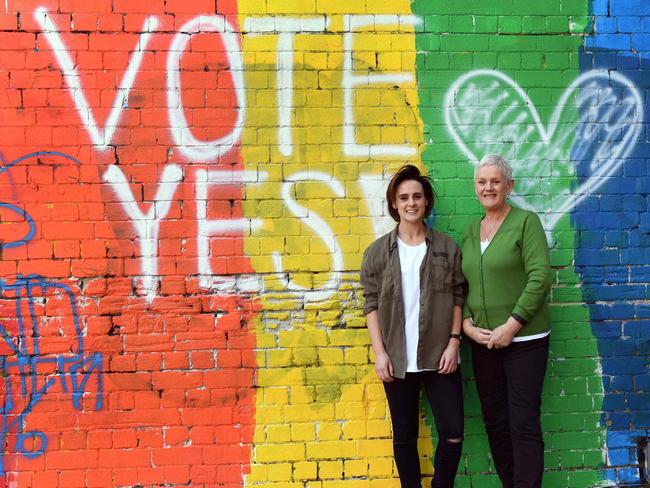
x=187, y=191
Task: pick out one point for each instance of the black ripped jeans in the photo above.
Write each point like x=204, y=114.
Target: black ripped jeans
x=509, y=383
x=445, y=395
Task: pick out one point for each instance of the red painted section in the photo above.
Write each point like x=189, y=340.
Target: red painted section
x=177, y=399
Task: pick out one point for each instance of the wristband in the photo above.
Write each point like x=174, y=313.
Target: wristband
x=455, y=336
x=519, y=319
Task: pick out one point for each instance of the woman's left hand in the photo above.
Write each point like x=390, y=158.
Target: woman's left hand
x=502, y=336
x=449, y=359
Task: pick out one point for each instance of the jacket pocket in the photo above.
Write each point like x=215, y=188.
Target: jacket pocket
x=439, y=274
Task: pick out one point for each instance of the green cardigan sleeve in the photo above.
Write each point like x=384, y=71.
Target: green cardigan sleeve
x=537, y=267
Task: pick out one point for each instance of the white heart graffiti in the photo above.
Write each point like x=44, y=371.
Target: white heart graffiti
x=597, y=120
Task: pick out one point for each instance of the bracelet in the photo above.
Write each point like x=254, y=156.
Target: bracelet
x=519, y=319
x=455, y=336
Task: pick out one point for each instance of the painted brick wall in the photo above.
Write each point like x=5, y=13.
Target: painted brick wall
x=187, y=192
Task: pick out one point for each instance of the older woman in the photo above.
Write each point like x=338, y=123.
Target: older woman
x=506, y=264
x=414, y=292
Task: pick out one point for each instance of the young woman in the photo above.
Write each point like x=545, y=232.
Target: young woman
x=414, y=292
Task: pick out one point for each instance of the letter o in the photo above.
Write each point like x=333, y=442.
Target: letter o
x=187, y=144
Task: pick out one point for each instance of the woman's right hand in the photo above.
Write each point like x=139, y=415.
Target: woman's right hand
x=477, y=334
x=384, y=367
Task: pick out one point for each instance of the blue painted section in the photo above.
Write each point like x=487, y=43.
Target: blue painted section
x=613, y=248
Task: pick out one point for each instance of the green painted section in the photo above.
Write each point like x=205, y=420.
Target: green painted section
x=536, y=45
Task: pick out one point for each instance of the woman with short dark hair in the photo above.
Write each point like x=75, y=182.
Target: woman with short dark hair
x=414, y=293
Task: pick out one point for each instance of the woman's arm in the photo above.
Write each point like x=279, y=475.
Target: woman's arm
x=537, y=267
x=477, y=334
x=369, y=284
x=449, y=359
x=383, y=364
x=459, y=283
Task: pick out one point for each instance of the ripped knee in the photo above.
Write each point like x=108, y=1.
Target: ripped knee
x=454, y=440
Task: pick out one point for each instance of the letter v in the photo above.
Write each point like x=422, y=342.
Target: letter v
x=99, y=137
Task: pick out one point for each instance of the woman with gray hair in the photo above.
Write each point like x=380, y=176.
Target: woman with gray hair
x=507, y=267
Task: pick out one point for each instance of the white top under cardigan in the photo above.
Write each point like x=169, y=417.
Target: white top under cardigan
x=484, y=246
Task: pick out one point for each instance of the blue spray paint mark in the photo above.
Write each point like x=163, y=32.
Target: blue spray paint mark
x=20, y=444
x=4, y=166
x=613, y=256
x=72, y=370
x=30, y=222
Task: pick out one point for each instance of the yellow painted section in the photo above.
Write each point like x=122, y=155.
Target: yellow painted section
x=321, y=415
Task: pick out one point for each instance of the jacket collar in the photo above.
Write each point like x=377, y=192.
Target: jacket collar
x=392, y=239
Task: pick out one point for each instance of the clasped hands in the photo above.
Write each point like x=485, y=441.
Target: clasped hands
x=492, y=339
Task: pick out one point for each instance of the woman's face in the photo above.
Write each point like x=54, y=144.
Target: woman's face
x=410, y=201
x=491, y=187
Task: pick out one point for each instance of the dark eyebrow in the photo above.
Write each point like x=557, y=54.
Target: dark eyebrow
x=415, y=193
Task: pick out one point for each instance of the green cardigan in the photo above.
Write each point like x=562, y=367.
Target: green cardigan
x=512, y=276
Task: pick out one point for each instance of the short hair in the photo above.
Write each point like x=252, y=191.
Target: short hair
x=498, y=161
x=405, y=173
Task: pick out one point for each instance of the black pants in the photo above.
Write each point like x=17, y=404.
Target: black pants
x=445, y=395
x=509, y=383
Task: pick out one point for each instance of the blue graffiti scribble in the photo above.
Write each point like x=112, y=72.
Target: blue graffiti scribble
x=30, y=222
x=5, y=166
x=73, y=370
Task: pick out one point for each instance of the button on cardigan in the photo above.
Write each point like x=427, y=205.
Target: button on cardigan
x=512, y=276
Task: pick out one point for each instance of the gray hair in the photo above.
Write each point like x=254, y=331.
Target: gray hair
x=498, y=161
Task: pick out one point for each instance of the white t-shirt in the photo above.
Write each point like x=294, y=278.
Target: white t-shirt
x=410, y=258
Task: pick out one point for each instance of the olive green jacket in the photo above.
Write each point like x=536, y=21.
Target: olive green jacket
x=512, y=276
x=442, y=286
